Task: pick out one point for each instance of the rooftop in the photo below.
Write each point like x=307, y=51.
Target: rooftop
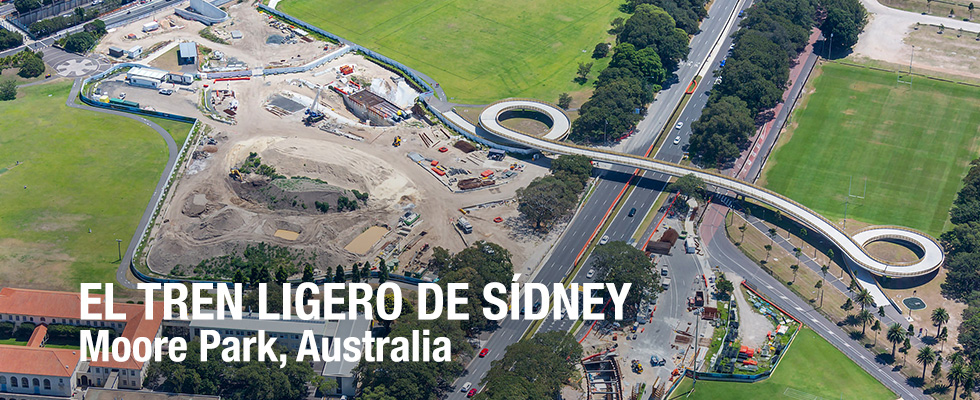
x=38, y=361
x=187, y=50
x=146, y=72
x=111, y=394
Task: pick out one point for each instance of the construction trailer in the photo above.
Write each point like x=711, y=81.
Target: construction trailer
x=116, y=51
x=151, y=26
x=146, y=77
x=135, y=52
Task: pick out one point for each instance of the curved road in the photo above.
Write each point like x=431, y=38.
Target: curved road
x=933, y=253
x=122, y=273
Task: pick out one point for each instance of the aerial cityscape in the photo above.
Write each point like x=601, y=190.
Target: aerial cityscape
x=496, y=200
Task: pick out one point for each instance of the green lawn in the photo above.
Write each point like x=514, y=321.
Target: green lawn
x=912, y=143
x=812, y=367
x=479, y=51
x=83, y=170
x=13, y=342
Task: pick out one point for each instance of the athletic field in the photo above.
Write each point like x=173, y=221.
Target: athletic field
x=911, y=143
x=82, y=170
x=812, y=369
x=479, y=51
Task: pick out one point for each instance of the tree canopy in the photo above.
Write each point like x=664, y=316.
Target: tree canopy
x=722, y=131
x=533, y=368
x=619, y=263
x=478, y=265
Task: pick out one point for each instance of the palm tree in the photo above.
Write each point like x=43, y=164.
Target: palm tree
x=895, y=335
x=864, y=298
x=876, y=327
x=865, y=316
x=772, y=235
x=819, y=285
x=830, y=255
x=823, y=269
x=742, y=229
x=937, y=368
x=794, y=267
x=926, y=356
x=957, y=374
x=971, y=10
x=881, y=312
x=798, y=253
x=802, y=236
x=768, y=248
x=939, y=317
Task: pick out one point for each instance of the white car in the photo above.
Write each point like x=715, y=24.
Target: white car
x=465, y=387
x=677, y=140
x=604, y=240
x=717, y=81
x=590, y=274
x=679, y=125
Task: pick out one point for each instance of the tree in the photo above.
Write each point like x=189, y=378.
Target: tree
x=937, y=368
x=564, y=100
x=906, y=346
x=24, y=6
x=895, y=336
x=772, y=235
x=939, y=317
x=355, y=273
x=643, y=63
x=795, y=268
x=848, y=305
x=533, y=368
x=545, y=200
x=768, y=248
x=725, y=287
x=382, y=271
x=823, y=270
x=10, y=39
x=619, y=263
x=601, y=50
x=8, y=90
x=864, y=298
x=943, y=335
x=853, y=285
x=481, y=263
x=97, y=27
x=339, y=276
x=31, y=67
x=926, y=356
x=970, y=7
x=651, y=26
x=366, y=272
x=617, y=25
x=957, y=374
x=875, y=328
x=742, y=228
x=79, y=42
x=881, y=312
x=723, y=129
x=308, y=273
x=845, y=21
x=689, y=185
x=819, y=285
x=573, y=170
x=864, y=316
x=583, y=71
x=611, y=110
x=282, y=275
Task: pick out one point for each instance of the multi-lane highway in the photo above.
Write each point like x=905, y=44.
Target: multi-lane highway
x=610, y=183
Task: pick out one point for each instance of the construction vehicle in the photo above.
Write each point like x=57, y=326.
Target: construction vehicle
x=312, y=115
x=397, y=142
x=237, y=175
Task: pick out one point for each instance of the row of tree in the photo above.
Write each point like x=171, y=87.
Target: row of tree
x=10, y=39
x=549, y=198
x=650, y=44
x=755, y=75
x=51, y=25
x=619, y=263
x=962, y=245
x=533, y=368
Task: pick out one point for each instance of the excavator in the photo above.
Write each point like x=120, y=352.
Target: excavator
x=236, y=175
x=397, y=142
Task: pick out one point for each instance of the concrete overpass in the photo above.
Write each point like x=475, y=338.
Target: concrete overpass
x=853, y=247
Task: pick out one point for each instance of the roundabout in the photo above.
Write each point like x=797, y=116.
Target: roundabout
x=932, y=255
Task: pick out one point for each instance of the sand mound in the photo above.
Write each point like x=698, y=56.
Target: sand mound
x=338, y=165
x=221, y=223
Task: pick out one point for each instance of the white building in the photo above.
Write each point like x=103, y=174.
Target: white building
x=146, y=77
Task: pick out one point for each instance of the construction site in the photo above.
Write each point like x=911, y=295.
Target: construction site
x=337, y=161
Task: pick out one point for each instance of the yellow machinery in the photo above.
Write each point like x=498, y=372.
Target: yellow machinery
x=236, y=175
x=397, y=142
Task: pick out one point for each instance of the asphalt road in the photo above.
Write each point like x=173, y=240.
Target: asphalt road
x=609, y=185
x=723, y=253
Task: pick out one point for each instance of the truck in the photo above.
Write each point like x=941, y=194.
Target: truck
x=689, y=245
x=464, y=225
x=665, y=283
x=699, y=299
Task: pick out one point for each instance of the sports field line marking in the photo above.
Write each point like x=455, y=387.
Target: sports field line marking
x=799, y=394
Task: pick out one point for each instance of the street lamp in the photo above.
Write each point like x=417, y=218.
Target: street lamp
x=831, y=45
x=119, y=248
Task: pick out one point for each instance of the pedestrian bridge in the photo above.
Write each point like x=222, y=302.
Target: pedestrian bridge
x=932, y=255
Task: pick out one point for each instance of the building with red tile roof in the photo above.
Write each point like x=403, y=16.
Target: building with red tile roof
x=34, y=369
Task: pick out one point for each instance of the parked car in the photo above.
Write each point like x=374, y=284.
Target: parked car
x=471, y=393
x=167, y=92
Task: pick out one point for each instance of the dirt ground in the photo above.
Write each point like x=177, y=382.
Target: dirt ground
x=251, y=49
x=209, y=213
x=753, y=326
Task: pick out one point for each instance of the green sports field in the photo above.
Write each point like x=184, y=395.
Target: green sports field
x=479, y=51
x=83, y=170
x=911, y=143
x=811, y=369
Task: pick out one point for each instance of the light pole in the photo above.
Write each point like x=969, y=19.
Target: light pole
x=831, y=45
x=119, y=248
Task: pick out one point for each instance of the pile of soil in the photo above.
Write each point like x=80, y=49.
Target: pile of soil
x=290, y=194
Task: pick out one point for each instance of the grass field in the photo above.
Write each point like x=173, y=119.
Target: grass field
x=812, y=369
x=83, y=170
x=479, y=52
x=912, y=143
